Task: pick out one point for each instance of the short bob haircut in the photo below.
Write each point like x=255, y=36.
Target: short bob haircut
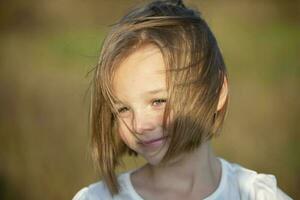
x=195, y=72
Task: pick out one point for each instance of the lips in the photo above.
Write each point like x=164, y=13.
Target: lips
x=149, y=142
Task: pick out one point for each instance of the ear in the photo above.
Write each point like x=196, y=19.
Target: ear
x=223, y=95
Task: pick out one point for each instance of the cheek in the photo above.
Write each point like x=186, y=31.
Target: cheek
x=123, y=132
x=169, y=119
x=159, y=118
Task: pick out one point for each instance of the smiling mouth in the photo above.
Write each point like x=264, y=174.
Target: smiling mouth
x=153, y=142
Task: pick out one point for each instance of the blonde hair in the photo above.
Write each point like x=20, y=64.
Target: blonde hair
x=195, y=73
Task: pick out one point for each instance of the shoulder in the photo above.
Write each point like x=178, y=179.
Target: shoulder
x=253, y=185
x=95, y=191
x=99, y=190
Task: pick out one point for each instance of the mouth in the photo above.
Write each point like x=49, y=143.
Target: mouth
x=154, y=142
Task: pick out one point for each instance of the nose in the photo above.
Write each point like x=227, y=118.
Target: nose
x=143, y=122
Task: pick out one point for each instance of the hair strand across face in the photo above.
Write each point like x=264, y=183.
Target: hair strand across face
x=195, y=73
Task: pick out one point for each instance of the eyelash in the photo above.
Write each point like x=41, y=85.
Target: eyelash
x=121, y=110
x=159, y=101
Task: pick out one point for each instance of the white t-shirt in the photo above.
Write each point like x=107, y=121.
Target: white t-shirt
x=236, y=183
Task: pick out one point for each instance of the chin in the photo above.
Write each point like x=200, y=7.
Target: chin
x=155, y=158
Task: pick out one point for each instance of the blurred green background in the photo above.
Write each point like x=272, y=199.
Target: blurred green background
x=48, y=47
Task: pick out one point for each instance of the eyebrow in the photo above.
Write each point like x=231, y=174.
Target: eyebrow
x=155, y=91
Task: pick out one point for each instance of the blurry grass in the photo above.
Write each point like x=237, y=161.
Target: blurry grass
x=76, y=46
x=267, y=54
x=282, y=62
x=44, y=116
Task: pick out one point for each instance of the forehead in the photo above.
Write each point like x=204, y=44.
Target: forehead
x=143, y=70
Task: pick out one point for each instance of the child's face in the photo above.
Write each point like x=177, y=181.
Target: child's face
x=140, y=86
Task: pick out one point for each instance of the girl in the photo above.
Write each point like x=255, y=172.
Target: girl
x=160, y=90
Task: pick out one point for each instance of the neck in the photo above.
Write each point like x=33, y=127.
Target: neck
x=197, y=172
